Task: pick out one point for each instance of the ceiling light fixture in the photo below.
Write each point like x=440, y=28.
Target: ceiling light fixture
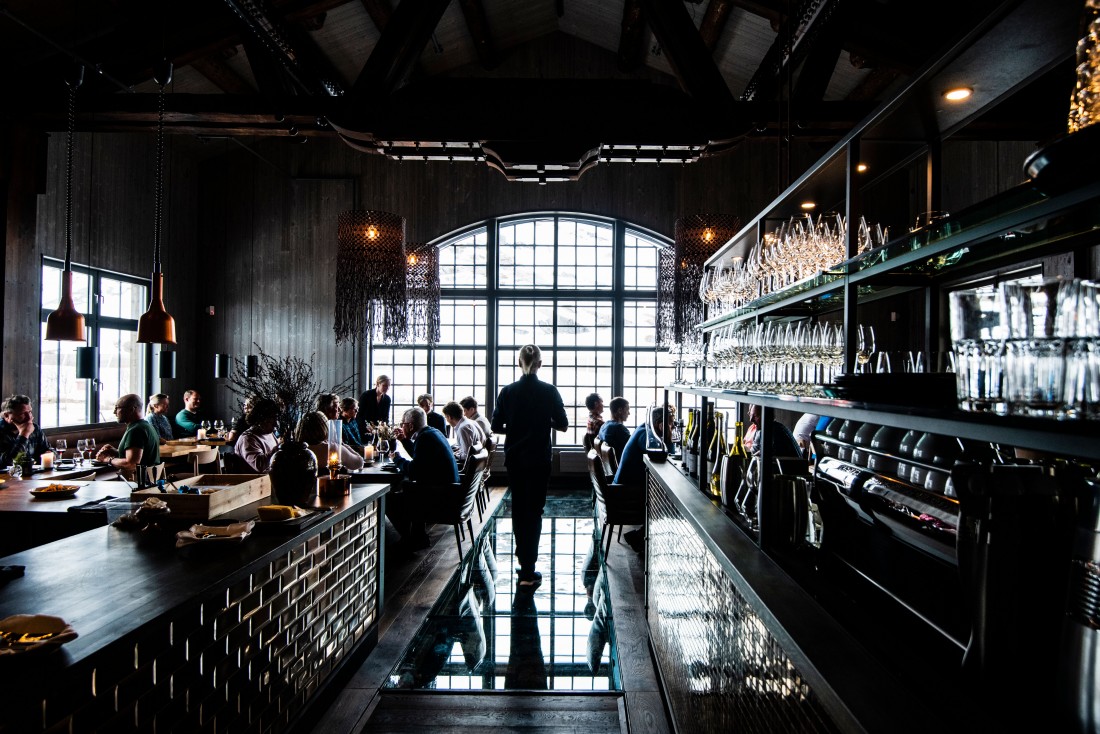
x=957, y=94
x=156, y=325
x=808, y=205
x=370, y=276
x=422, y=293
x=861, y=168
x=66, y=323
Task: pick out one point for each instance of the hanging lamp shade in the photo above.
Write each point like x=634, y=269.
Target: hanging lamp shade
x=422, y=293
x=87, y=363
x=167, y=364
x=370, y=276
x=696, y=238
x=156, y=325
x=223, y=363
x=65, y=323
x=252, y=366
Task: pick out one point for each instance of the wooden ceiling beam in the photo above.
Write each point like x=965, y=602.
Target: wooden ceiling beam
x=821, y=59
x=220, y=74
x=397, y=51
x=714, y=22
x=690, y=59
x=379, y=12
x=795, y=38
x=474, y=13
x=631, y=52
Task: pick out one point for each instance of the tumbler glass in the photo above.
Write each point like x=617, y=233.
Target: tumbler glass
x=1039, y=318
x=977, y=334
x=1081, y=396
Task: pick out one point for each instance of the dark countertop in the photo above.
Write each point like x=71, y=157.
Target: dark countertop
x=107, y=583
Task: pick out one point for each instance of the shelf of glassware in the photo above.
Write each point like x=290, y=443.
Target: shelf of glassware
x=1077, y=438
x=1002, y=229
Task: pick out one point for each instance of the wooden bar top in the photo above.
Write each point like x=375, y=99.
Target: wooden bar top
x=107, y=583
x=16, y=495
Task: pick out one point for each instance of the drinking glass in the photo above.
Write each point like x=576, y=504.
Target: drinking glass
x=865, y=347
x=205, y=426
x=81, y=447
x=218, y=427
x=978, y=330
x=1040, y=317
x=60, y=445
x=383, y=447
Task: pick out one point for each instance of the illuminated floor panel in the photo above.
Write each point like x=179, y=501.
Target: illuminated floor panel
x=485, y=634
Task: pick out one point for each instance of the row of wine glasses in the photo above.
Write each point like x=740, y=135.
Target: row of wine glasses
x=801, y=248
x=215, y=429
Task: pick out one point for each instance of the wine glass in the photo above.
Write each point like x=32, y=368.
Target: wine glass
x=219, y=427
x=383, y=447
x=865, y=347
x=60, y=445
x=81, y=447
x=89, y=446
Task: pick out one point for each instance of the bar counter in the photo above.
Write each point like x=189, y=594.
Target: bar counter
x=231, y=637
x=741, y=645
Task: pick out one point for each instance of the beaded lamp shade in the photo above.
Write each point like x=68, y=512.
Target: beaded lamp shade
x=422, y=294
x=370, y=276
x=697, y=237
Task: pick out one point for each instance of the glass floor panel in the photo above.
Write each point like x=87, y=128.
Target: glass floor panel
x=485, y=634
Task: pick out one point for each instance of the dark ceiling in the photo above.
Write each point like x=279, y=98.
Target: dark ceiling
x=539, y=89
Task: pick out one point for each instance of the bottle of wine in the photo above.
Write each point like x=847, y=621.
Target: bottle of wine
x=734, y=465
x=702, y=443
x=690, y=451
x=719, y=448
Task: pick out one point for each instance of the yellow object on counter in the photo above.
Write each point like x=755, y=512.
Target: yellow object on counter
x=277, y=512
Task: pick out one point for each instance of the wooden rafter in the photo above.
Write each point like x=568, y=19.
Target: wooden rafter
x=379, y=12
x=632, y=37
x=718, y=12
x=474, y=13
x=397, y=51
x=795, y=38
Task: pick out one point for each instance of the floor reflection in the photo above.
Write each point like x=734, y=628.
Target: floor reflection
x=485, y=632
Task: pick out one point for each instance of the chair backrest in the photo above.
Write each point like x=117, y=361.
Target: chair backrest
x=471, y=479
x=201, y=458
x=153, y=473
x=234, y=463
x=610, y=461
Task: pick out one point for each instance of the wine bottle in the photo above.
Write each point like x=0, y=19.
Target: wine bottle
x=685, y=441
x=734, y=467
x=717, y=454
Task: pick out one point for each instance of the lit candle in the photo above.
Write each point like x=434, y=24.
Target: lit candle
x=47, y=460
x=334, y=459
x=368, y=453
x=201, y=434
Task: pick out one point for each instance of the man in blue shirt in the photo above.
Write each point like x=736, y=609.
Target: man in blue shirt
x=631, y=468
x=431, y=467
x=614, y=432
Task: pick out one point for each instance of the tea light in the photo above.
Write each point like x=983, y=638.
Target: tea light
x=333, y=459
x=201, y=434
x=47, y=460
x=368, y=454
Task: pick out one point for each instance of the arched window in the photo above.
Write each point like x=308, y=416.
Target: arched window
x=583, y=288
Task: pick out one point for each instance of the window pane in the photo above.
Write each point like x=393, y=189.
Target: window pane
x=640, y=261
x=64, y=399
x=526, y=254
x=122, y=299
x=585, y=254
x=51, y=289
x=121, y=369
x=576, y=374
x=407, y=368
x=463, y=262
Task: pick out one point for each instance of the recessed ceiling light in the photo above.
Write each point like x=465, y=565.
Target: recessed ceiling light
x=958, y=93
x=807, y=205
x=861, y=168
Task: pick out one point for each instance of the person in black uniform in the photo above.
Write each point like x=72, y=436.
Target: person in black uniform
x=435, y=420
x=374, y=406
x=526, y=410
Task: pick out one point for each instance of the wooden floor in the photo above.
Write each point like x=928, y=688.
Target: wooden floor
x=412, y=587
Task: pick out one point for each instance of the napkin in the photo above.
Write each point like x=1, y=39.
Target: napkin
x=214, y=534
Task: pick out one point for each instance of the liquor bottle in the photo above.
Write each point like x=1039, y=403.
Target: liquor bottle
x=685, y=441
x=734, y=465
x=703, y=443
x=718, y=451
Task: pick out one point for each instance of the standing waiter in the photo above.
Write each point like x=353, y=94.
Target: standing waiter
x=525, y=412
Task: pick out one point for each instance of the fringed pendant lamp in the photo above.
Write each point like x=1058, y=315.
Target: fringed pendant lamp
x=423, y=293
x=697, y=237
x=156, y=325
x=66, y=323
x=370, y=276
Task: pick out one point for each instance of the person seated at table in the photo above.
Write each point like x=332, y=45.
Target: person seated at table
x=240, y=423
x=140, y=445
x=256, y=445
x=614, y=432
x=594, y=403
x=157, y=408
x=469, y=409
x=349, y=409
x=631, y=470
x=780, y=438
x=468, y=435
x=374, y=405
x=431, y=469
x=189, y=420
x=435, y=420
x=313, y=430
x=19, y=434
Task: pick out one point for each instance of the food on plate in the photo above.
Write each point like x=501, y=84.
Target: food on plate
x=59, y=488
x=277, y=512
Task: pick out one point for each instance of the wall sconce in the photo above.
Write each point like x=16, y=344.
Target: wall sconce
x=167, y=364
x=223, y=363
x=87, y=363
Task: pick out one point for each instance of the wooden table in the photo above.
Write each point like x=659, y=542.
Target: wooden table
x=374, y=474
x=171, y=451
x=61, y=474
x=27, y=521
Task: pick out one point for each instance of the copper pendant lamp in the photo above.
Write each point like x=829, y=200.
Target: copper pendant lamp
x=66, y=323
x=156, y=325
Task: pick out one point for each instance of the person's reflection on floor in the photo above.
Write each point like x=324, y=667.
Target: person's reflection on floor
x=431, y=652
x=600, y=632
x=589, y=572
x=526, y=666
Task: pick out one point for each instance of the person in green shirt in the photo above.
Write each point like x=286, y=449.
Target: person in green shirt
x=189, y=420
x=140, y=445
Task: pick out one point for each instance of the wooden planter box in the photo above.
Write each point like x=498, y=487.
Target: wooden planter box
x=233, y=491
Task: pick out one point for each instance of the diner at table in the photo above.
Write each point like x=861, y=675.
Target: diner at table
x=469, y=437
x=189, y=419
x=429, y=469
x=156, y=415
x=312, y=429
x=258, y=443
x=19, y=434
x=140, y=445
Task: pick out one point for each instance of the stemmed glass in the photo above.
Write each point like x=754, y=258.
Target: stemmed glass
x=60, y=445
x=219, y=427
x=383, y=447
x=78, y=457
x=205, y=425
x=89, y=446
x=865, y=347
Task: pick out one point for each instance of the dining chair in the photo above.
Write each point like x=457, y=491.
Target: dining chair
x=202, y=458
x=453, y=504
x=616, y=504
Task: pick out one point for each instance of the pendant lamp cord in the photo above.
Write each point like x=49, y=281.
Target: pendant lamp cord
x=69, y=180
x=158, y=207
